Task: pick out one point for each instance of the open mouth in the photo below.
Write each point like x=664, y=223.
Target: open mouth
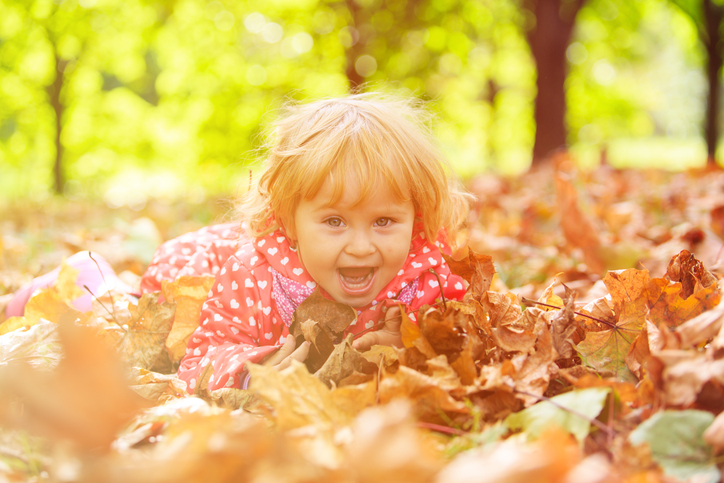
x=356, y=280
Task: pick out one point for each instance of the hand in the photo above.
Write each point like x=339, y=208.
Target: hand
x=389, y=334
x=287, y=353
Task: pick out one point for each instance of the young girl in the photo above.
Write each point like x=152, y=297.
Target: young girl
x=353, y=201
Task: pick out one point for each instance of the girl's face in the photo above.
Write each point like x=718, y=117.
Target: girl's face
x=353, y=252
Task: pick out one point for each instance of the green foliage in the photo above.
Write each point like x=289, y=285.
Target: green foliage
x=570, y=413
x=677, y=444
x=170, y=98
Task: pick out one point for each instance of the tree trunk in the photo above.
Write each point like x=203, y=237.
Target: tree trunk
x=713, y=16
x=54, y=90
x=548, y=43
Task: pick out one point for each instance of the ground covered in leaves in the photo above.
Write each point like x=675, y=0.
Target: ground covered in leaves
x=594, y=354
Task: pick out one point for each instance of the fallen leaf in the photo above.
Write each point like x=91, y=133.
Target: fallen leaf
x=321, y=322
x=579, y=229
x=85, y=399
x=606, y=349
x=547, y=460
x=37, y=346
x=685, y=268
x=571, y=412
x=158, y=388
x=677, y=444
x=189, y=294
x=478, y=270
x=343, y=362
x=148, y=328
x=428, y=398
x=299, y=398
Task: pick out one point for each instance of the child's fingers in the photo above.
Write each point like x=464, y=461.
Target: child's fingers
x=366, y=341
x=282, y=353
x=389, y=334
x=393, y=319
x=300, y=354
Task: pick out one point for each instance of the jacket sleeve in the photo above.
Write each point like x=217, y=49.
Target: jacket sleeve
x=228, y=335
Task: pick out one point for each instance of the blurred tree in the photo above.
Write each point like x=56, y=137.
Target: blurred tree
x=549, y=38
x=708, y=16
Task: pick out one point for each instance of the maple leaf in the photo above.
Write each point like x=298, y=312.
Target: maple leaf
x=145, y=337
x=608, y=342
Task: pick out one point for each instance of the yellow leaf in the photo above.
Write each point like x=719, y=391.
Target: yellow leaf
x=299, y=398
x=65, y=286
x=189, y=294
x=410, y=331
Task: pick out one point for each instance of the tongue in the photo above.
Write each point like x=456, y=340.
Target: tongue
x=355, y=272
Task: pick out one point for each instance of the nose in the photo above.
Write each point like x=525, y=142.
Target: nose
x=360, y=244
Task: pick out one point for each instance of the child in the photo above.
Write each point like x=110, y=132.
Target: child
x=353, y=201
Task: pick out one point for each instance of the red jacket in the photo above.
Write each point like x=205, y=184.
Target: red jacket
x=260, y=282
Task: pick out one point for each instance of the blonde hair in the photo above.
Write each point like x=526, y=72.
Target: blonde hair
x=372, y=137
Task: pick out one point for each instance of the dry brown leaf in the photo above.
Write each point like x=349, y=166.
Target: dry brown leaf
x=681, y=375
x=428, y=398
x=578, y=228
x=148, y=328
x=639, y=353
x=343, y=362
x=299, y=398
x=478, y=270
x=502, y=308
x=564, y=328
x=321, y=322
x=518, y=335
x=685, y=268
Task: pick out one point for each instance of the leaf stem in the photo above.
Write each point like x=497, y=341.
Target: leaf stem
x=526, y=300
x=609, y=431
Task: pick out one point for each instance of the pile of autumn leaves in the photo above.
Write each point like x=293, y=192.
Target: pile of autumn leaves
x=626, y=387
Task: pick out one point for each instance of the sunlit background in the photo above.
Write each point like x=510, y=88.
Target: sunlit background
x=171, y=98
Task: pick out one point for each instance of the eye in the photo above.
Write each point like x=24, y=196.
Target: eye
x=334, y=222
x=383, y=222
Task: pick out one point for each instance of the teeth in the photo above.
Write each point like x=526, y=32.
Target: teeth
x=357, y=280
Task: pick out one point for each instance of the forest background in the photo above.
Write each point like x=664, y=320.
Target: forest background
x=126, y=100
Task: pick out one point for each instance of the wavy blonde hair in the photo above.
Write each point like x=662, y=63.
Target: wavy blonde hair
x=379, y=139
